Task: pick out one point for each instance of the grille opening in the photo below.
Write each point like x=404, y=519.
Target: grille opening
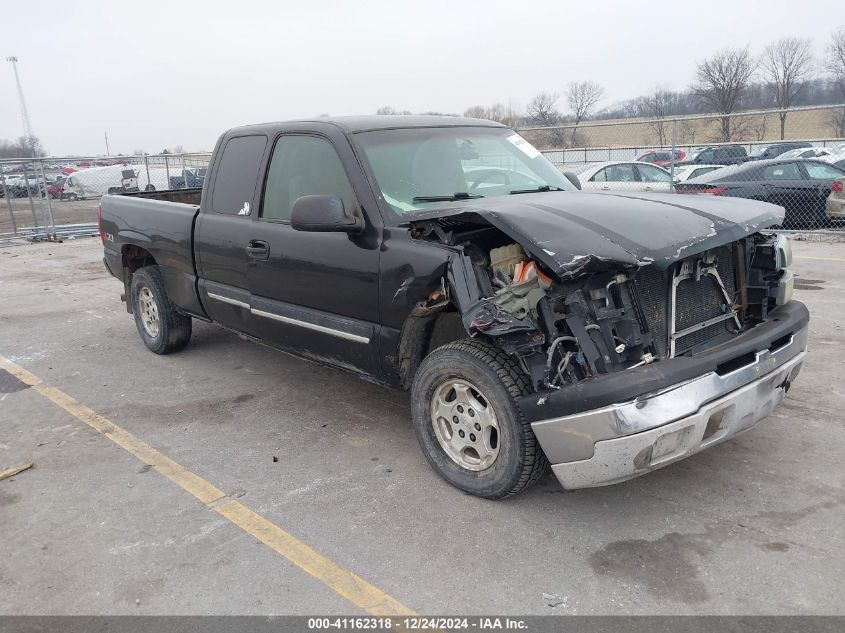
x=696, y=302
x=735, y=363
x=783, y=341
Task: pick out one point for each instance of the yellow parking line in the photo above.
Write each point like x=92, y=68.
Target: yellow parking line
x=823, y=259
x=354, y=588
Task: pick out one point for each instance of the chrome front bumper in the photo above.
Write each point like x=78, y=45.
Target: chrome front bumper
x=625, y=440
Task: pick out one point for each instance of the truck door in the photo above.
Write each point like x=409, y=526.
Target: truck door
x=317, y=293
x=224, y=230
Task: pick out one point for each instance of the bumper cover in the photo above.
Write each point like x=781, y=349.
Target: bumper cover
x=624, y=439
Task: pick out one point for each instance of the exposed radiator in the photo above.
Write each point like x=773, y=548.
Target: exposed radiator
x=696, y=302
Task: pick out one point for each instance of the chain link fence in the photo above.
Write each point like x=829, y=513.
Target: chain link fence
x=54, y=198
x=793, y=158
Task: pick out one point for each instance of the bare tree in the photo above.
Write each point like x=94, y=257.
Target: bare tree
x=24, y=147
x=721, y=80
x=582, y=97
x=786, y=65
x=499, y=112
x=476, y=112
x=835, y=65
x=542, y=110
x=657, y=105
x=391, y=110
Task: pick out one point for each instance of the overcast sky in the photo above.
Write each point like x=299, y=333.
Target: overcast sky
x=159, y=74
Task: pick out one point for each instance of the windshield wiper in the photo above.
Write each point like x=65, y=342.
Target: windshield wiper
x=461, y=195
x=538, y=189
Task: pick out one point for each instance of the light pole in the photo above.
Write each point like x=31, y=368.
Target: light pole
x=27, y=125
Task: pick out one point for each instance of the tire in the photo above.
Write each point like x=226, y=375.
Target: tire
x=162, y=329
x=495, y=380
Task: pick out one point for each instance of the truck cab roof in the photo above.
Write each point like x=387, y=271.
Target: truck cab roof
x=366, y=123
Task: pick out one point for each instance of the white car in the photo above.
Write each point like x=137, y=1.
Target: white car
x=624, y=176
x=836, y=155
x=805, y=152
x=685, y=172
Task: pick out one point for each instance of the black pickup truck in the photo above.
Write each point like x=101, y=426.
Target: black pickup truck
x=604, y=334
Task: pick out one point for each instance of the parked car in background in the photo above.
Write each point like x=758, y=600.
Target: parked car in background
x=624, y=176
x=54, y=190
x=99, y=181
x=800, y=186
x=686, y=172
x=835, y=204
x=774, y=150
x=715, y=155
x=661, y=157
x=190, y=178
x=805, y=152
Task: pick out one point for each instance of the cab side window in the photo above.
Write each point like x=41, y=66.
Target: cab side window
x=237, y=175
x=303, y=166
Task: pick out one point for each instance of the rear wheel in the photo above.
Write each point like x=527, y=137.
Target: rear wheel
x=162, y=328
x=463, y=406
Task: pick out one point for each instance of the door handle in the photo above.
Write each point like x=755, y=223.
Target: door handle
x=258, y=249
x=605, y=188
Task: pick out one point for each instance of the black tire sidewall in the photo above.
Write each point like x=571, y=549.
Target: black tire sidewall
x=502, y=477
x=146, y=278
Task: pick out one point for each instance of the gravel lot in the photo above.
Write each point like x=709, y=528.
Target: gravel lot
x=753, y=526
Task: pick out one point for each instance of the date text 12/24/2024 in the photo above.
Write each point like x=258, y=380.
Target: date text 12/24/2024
x=417, y=623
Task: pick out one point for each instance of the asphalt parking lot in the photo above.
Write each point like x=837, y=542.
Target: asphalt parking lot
x=753, y=526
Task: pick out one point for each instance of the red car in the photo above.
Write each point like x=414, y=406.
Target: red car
x=55, y=189
x=661, y=157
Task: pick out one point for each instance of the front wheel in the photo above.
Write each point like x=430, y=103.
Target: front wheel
x=463, y=407
x=162, y=328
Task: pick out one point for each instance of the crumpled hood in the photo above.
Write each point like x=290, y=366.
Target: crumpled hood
x=575, y=232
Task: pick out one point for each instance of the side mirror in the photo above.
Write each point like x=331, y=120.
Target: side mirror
x=324, y=214
x=573, y=179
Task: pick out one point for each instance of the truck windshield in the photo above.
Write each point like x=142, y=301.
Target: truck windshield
x=418, y=167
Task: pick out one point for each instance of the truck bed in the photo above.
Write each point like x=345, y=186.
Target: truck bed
x=160, y=223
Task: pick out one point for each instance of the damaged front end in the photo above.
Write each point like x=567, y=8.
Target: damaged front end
x=597, y=316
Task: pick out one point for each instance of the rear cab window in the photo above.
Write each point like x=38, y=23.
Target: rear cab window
x=237, y=175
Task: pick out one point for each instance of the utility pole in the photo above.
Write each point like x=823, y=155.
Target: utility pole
x=27, y=125
x=106, y=134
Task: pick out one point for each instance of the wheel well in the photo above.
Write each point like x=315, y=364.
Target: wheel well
x=135, y=257
x=424, y=332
